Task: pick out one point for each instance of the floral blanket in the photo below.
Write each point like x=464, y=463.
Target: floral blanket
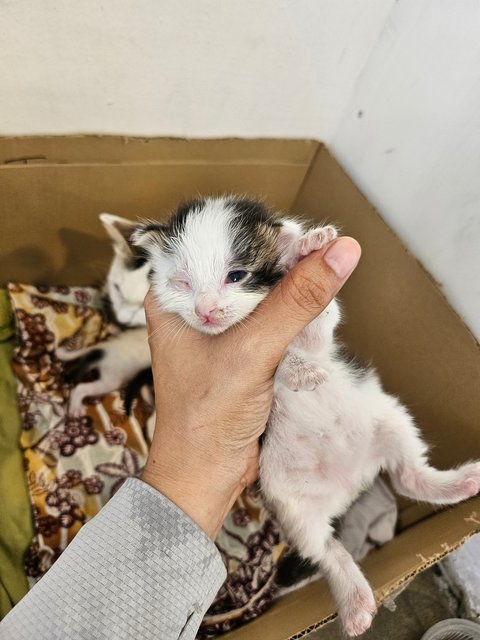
x=74, y=465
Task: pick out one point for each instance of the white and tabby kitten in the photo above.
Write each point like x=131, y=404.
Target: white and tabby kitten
x=332, y=428
x=120, y=358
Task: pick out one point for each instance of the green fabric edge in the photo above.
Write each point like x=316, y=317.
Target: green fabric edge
x=16, y=527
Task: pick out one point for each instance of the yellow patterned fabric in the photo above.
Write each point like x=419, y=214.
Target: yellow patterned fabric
x=74, y=465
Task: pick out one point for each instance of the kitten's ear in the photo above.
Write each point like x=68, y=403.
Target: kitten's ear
x=120, y=231
x=289, y=231
x=149, y=236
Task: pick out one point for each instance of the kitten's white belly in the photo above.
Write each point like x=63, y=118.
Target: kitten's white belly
x=318, y=446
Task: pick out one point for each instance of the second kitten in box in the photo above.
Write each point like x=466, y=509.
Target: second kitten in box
x=120, y=358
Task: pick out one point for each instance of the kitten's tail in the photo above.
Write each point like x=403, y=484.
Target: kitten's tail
x=292, y=569
x=132, y=389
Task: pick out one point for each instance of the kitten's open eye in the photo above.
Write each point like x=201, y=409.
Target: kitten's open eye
x=236, y=276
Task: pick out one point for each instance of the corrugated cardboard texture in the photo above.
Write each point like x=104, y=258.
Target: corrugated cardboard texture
x=294, y=615
x=53, y=190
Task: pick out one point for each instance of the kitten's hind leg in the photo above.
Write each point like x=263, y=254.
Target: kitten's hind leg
x=349, y=587
x=400, y=442
x=427, y=484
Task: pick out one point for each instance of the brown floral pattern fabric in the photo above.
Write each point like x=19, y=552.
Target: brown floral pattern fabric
x=250, y=544
x=75, y=464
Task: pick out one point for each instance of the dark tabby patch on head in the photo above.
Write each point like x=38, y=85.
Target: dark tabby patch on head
x=250, y=211
x=292, y=569
x=175, y=225
x=148, y=231
x=255, y=234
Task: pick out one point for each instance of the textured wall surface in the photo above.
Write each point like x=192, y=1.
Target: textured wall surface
x=410, y=138
x=176, y=67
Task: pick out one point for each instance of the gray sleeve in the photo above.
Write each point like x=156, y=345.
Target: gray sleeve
x=140, y=569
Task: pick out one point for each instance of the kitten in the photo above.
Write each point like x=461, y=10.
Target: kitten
x=118, y=359
x=127, y=281
x=332, y=428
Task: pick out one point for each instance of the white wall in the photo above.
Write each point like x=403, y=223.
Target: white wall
x=410, y=138
x=182, y=67
x=301, y=68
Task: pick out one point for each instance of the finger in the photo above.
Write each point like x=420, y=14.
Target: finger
x=303, y=293
x=160, y=324
x=153, y=312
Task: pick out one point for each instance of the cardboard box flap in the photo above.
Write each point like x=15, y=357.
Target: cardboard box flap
x=387, y=569
x=17, y=151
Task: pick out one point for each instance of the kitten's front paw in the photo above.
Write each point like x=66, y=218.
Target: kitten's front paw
x=306, y=378
x=299, y=375
x=76, y=412
x=316, y=239
x=76, y=408
x=361, y=610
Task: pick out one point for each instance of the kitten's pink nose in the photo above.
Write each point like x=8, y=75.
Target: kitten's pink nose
x=206, y=312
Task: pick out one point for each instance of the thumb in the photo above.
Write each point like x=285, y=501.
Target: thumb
x=303, y=293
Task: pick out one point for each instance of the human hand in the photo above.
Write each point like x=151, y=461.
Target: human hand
x=213, y=393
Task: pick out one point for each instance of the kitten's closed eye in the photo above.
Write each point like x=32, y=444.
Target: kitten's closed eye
x=180, y=283
x=236, y=276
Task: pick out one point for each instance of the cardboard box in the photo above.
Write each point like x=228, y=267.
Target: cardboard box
x=52, y=191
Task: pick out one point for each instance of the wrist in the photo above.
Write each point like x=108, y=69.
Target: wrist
x=205, y=495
